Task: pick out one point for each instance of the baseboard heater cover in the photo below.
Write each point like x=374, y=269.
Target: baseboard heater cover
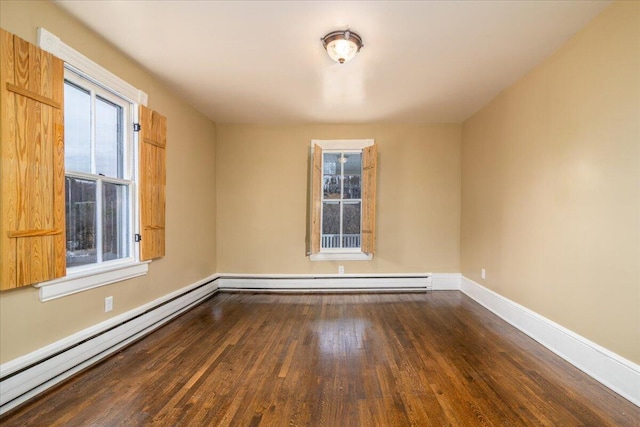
x=304, y=283
x=325, y=290
x=25, y=377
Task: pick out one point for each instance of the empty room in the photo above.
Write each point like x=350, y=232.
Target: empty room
x=320, y=213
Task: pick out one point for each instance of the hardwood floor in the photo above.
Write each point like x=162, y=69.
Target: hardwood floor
x=332, y=360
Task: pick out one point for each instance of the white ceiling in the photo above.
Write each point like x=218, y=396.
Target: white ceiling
x=263, y=62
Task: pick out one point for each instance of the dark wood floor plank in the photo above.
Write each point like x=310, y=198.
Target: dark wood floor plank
x=429, y=359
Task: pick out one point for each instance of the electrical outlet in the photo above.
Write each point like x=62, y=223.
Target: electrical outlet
x=341, y=269
x=483, y=274
x=108, y=304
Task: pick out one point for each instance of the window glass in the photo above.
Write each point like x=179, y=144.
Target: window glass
x=80, y=221
x=331, y=225
x=331, y=218
x=115, y=241
x=77, y=128
x=352, y=172
x=351, y=225
x=332, y=176
x=109, y=152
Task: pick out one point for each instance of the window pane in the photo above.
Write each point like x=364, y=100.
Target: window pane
x=77, y=128
x=352, y=172
x=331, y=172
x=331, y=224
x=351, y=225
x=80, y=212
x=115, y=222
x=109, y=149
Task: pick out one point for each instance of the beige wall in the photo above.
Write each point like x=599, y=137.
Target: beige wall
x=261, y=187
x=551, y=186
x=26, y=324
x=550, y=192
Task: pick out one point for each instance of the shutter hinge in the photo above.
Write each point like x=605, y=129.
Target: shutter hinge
x=136, y=127
x=138, y=238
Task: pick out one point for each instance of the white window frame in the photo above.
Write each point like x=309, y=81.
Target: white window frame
x=128, y=178
x=343, y=146
x=91, y=276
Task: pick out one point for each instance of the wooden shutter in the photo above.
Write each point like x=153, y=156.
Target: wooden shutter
x=32, y=230
x=316, y=198
x=153, y=158
x=369, y=166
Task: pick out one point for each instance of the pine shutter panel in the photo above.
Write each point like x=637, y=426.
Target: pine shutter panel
x=152, y=142
x=369, y=166
x=32, y=227
x=316, y=199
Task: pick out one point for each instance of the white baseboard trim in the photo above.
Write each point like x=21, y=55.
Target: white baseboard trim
x=325, y=282
x=610, y=369
x=447, y=281
x=31, y=374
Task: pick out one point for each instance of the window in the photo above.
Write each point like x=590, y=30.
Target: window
x=98, y=174
x=72, y=203
x=342, y=200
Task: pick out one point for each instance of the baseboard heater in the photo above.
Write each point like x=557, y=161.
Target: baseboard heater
x=326, y=283
x=27, y=376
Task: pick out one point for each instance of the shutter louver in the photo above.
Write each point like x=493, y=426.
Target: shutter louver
x=152, y=142
x=32, y=228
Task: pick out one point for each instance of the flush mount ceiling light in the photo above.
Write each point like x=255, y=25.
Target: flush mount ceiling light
x=342, y=46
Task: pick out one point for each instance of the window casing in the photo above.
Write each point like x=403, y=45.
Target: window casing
x=342, y=200
x=120, y=256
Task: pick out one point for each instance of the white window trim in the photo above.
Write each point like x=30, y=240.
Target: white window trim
x=341, y=256
x=341, y=145
x=83, y=280
x=52, y=44
x=113, y=271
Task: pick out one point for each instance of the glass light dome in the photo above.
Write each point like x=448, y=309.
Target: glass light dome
x=342, y=46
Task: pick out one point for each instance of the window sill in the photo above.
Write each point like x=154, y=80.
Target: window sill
x=341, y=256
x=88, y=279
